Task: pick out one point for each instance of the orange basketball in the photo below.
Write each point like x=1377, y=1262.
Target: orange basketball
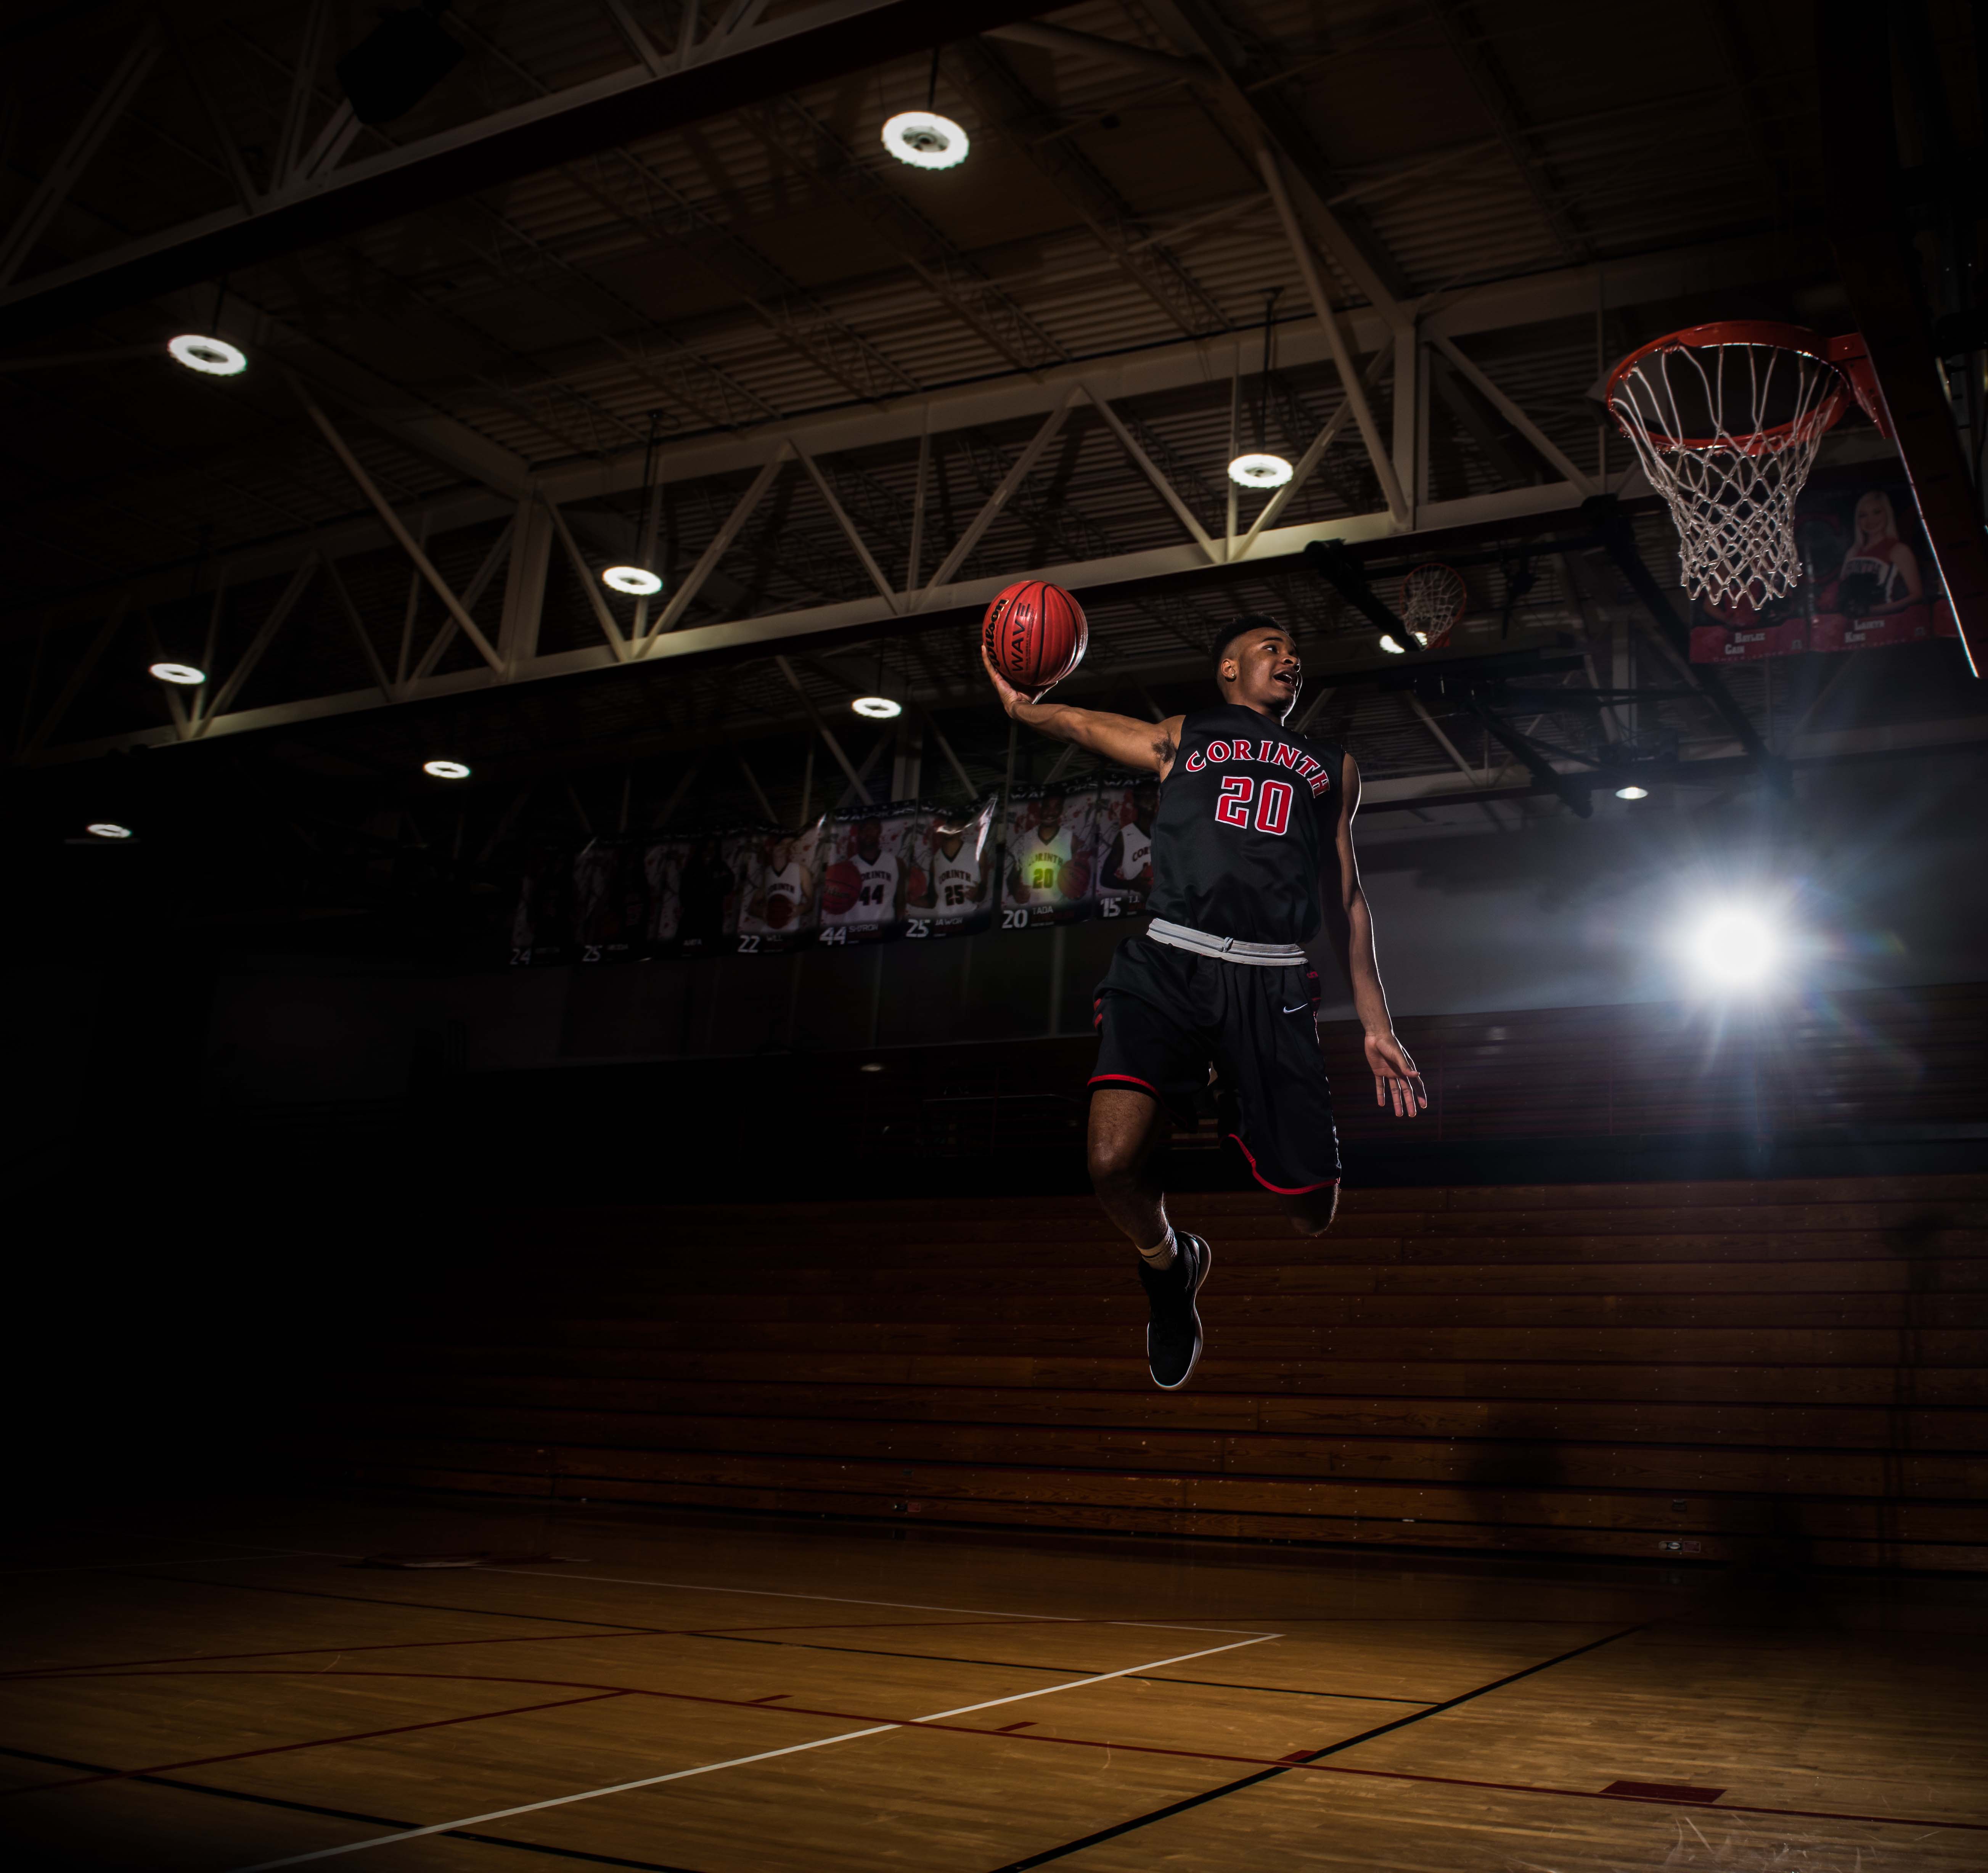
x=1035, y=635
x=841, y=888
x=1073, y=878
x=915, y=882
x=779, y=911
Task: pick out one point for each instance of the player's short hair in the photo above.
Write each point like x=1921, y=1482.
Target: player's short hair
x=1241, y=627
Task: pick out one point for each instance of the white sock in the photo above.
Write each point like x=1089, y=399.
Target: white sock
x=1162, y=1254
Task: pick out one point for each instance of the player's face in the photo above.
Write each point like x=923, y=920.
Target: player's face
x=869, y=840
x=1269, y=672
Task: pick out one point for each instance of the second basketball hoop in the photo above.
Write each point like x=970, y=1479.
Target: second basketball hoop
x=1726, y=420
x=1431, y=603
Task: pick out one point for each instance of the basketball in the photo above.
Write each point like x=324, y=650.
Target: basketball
x=915, y=882
x=779, y=911
x=1073, y=878
x=1034, y=634
x=841, y=888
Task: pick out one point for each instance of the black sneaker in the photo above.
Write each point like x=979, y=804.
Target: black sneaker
x=1173, y=1335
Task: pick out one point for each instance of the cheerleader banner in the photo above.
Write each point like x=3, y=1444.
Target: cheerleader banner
x=1868, y=580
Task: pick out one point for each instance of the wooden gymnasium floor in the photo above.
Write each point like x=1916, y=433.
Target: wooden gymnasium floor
x=228, y=1689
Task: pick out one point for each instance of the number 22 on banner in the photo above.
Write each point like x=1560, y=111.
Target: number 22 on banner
x=1273, y=803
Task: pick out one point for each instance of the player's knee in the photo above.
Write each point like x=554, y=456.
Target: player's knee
x=1313, y=1216
x=1114, y=1166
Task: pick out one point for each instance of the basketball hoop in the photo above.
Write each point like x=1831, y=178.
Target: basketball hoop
x=1431, y=603
x=1727, y=419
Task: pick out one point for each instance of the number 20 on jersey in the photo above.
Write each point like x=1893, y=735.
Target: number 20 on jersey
x=1273, y=803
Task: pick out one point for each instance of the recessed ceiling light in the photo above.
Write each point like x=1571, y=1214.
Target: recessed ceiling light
x=107, y=829
x=879, y=709
x=925, y=139
x=1259, y=471
x=178, y=673
x=1388, y=644
x=446, y=770
x=637, y=581
x=1632, y=794
x=212, y=357
x=871, y=1066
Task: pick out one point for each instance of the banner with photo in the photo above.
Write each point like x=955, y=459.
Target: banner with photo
x=1123, y=843
x=1050, y=876
x=876, y=874
x=1869, y=579
x=908, y=870
x=960, y=868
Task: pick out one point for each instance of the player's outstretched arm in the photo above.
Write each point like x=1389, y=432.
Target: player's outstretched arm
x=1349, y=927
x=1146, y=746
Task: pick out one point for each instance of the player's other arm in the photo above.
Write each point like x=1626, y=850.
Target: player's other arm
x=1349, y=929
x=1145, y=745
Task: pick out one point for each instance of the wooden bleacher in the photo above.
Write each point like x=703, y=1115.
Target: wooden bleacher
x=1780, y=1373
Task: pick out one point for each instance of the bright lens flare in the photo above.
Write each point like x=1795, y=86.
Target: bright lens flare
x=212, y=357
x=1735, y=948
x=1389, y=644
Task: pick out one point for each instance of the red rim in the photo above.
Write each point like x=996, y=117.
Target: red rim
x=1763, y=332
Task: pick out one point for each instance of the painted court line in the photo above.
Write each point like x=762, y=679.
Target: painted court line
x=739, y=1762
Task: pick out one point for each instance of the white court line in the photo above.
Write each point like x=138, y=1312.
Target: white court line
x=737, y=1762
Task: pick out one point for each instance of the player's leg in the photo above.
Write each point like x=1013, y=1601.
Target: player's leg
x=1276, y=1100
x=1129, y=1131
x=1151, y=1059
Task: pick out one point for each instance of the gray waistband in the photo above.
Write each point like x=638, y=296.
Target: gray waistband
x=1229, y=949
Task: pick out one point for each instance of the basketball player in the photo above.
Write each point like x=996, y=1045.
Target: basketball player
x=880, y=898
x=782, y=889
x=1130, y=866
x=1252, y=850
x=1036, y=870
x=958, y=881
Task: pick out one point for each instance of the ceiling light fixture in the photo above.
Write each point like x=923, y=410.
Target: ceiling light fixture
x=446, y=770
x=636, y=581
x=1389, y=644
x=878, y=708
x=212, y=357
x=178, y=673
x=107, y=829
x=1632, y=794
x=1258, y=468
x=926, y=141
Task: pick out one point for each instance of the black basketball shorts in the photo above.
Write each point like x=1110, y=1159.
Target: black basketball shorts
x=1165, y=1016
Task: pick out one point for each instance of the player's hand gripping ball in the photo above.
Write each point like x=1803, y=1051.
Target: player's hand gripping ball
x=1035, y=635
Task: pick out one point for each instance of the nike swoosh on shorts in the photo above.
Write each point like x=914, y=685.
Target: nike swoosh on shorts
x=1304, y=1008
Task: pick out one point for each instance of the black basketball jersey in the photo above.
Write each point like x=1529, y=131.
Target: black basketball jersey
x=1247, y=816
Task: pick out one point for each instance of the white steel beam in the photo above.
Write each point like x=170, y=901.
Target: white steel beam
x=1328, y=320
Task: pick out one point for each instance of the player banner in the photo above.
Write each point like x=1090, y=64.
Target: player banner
x=1868, y=580
x=1123, y=844
x=873, y=875
x=1050, y=872
x=876, y=877
x=960, y=868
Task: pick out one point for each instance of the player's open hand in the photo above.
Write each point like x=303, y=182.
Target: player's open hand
x=1396, y=1082
x=1006, y=691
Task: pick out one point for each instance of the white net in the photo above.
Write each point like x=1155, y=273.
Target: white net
x=1727, y=430
x=1431, y=601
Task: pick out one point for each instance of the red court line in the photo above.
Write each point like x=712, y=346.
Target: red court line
x=1088, y=1742
x=312, y=1742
